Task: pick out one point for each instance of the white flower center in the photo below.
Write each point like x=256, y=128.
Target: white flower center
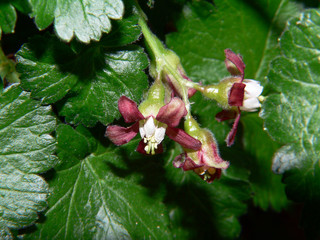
x=252, y=93
x=152, y=132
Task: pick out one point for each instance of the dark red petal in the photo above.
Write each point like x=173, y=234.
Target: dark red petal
x=184, y=139
x=129, y=110
x=142, y=145
x=226, y=115
x=121, y=135
x=233, y=131
x=236, y=95
x=172, y=112
x=184, y=162
x=236, y=60
x=189, y=164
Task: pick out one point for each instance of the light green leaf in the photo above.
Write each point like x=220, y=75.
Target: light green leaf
x=90, y=201
x=86, y=20
x=26, y=147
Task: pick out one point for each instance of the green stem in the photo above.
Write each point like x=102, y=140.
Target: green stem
x=159, y=55
x=152, y=41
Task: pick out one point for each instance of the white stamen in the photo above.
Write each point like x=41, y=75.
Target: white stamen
x=152, y=133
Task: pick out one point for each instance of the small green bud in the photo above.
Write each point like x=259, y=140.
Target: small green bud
x=154, y=100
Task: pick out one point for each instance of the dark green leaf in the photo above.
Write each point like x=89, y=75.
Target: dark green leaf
x=26, y=147
x=94, y=78
x=98, y=100
x=124, y=31
x=268, y=188
x=8, y=17
x=45, y=69
x=86, y=20
x=292, y=116
x=89, y=201
x=22, y=6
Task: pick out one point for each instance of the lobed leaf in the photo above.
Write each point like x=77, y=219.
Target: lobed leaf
x=83, y=19
x=25, y=129
x=26, y=147
x=292, y=116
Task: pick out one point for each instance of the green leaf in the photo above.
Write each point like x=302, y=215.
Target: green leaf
x=90, y=200
x=22, y=6
x=267, y=187
x=45, y=69
x=85, y=20
x=25, y=129
x=94, y=79
x=8, y=17
x=5, y=232
x=26, y=147
x=292, y=116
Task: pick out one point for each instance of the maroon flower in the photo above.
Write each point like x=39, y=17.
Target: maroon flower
x=153, y=127
x=243, y=94
x=206, y=162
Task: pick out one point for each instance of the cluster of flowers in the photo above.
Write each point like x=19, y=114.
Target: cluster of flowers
x=167, y=103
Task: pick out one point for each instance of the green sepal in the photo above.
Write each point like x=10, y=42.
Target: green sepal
x=154, y=100
x=220, y=92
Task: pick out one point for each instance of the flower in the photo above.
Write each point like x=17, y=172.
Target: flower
x=205, y=162
x=153, y=122
x=235, y=94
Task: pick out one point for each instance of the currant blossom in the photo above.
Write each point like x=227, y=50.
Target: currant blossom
x=153, y=121
x=205, y=162
x=235, y=94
